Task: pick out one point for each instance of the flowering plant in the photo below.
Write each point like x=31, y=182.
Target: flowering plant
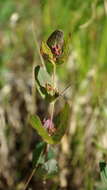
x=54, y=51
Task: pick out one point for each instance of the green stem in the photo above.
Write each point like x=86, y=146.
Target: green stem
x=52, y=110
x=29, y=179
x=54, y=85
x=54, y=73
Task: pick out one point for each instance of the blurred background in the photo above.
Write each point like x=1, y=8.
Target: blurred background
x=85, y=142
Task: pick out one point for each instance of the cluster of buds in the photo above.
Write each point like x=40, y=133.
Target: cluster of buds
x=56, y=42
x=54, y=49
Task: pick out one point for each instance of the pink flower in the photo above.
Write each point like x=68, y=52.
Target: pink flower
x=49, y=126
x=56, y=49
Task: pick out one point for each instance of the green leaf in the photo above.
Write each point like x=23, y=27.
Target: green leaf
x=38, y=153
x=46, y=52
x=43, y=76
x=103, y=171
x=48, y=57
x=36, y=124
x=40, y=89
x=65, y=53
x=49, y=67
x=43, y=79
x=51, y=166
x=48, y=169
x=51, y=153
x=61, y=123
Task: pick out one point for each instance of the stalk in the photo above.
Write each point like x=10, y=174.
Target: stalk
x=29, y=179
x=54, y=85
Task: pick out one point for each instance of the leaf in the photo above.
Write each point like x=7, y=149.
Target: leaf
x=103, y=171
x=46, y=52
x=51, y=166
x=36, y=124
x=61, y=123
x=43, y=80
x=48, y=169
x=51, y=153
x=41, y=76
x=65, y=53
x=49, y=67
x=40, y=89
x=37, y=153
x=48, y=57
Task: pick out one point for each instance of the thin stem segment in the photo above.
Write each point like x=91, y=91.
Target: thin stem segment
x=29, y=179
x=54, y=85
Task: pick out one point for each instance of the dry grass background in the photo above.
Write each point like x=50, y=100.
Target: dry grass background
x=85, y=142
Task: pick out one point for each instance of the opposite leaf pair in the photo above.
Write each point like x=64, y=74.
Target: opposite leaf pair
x=60, y=122
x=44, y=84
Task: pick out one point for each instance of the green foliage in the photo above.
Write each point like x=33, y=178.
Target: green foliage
x=48, y=170
x=42, y=76
x=61, y=123
x=47, y=56
x=51, y=153
x=43, y=80
x=46, y=52
x=38, y=153
x=103, y=171
x=44, y=161
x=36, y=124
x=65, y=53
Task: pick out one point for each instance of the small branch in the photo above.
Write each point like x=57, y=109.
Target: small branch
x=29, y=179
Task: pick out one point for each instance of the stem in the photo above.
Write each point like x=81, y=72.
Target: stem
x=52, y=110
x=53, y=77
x=29, y=179
x=54, y=73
